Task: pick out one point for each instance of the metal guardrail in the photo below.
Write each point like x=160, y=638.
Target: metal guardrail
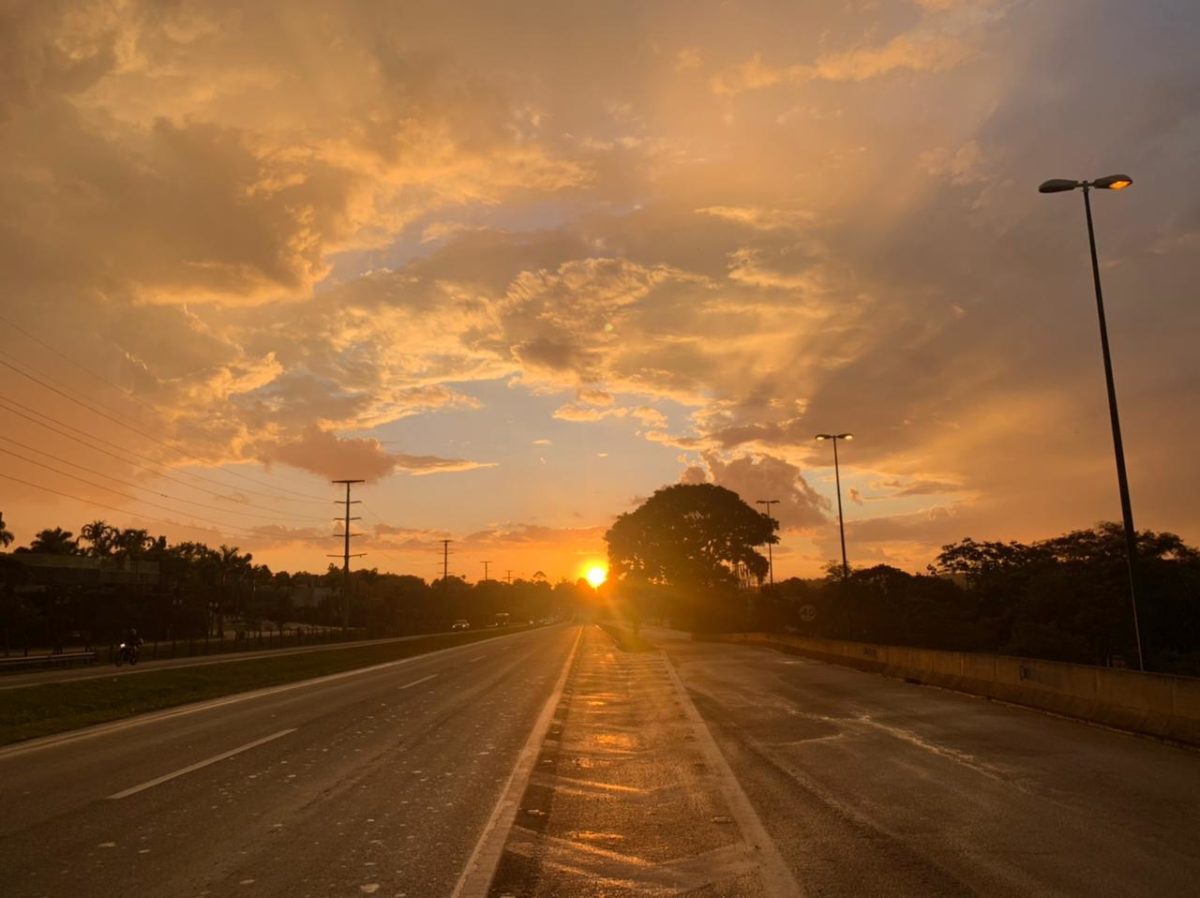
x=61, y=659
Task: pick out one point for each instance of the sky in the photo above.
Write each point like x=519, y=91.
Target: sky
x=518, y=265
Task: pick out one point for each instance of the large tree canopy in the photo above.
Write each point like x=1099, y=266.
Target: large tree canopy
x=692, y=535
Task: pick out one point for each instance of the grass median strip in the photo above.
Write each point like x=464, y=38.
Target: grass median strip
x=48, y=708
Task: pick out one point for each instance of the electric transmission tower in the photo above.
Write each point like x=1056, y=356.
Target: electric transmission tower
x=346, y=556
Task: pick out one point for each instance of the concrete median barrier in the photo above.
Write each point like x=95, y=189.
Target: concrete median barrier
x=1154, y=704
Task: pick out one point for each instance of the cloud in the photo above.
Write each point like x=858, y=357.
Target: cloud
x=272, y=228
x=924, y=487
x=948, y=35
x=759, y=218
x=763, y=477
x=329, y=455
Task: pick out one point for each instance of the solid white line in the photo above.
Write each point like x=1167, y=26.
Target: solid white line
x=102, y=729
x=776, y=876
x=481, y=866
x=134, y=790
x=418, y=682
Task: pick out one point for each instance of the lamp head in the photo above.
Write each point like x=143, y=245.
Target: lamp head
x=823, y=436
x=1112, y=182
x=845, y=436
x=1057, y=185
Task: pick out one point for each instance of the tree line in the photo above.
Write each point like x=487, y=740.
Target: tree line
x=684, y=555
x=203, y=591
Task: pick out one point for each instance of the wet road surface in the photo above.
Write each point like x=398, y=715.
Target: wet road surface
x=700, y=770
x=873, y=786
x=374, y=782
x=632, y=797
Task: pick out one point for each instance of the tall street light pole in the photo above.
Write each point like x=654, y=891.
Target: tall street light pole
x=1111, y=182
x=770, y=556
x=834, y=437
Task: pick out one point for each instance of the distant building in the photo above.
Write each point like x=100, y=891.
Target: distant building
x=83, y=570
x=310, y=596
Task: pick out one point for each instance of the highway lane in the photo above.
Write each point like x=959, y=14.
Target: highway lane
x=377, y=782
x=98, y=670
x=872, y=786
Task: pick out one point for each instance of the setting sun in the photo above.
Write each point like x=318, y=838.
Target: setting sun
x=596, y=574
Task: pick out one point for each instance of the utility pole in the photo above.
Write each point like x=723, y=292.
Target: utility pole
x=508, y=577
x=485, y=570
x=445, y=561
x=770, y=556
x=346, y=556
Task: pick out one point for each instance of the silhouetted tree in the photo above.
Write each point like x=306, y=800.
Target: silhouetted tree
x=6, y=536
x=100, y=537
x=689, y=535
x=55, y=541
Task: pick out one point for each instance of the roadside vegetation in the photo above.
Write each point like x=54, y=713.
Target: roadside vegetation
x=682, y=558
x=42, y=710
x=67, y=591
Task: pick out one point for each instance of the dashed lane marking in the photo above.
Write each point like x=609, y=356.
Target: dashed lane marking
x=418, y=682
x=192, y=768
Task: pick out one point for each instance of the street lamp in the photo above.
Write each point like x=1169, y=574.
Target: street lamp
x=1111, y=182
x=770, y=557
x=834, y=437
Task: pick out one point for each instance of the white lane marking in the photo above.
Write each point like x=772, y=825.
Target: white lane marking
x=481, y=866
x=418, y=682
x=477, y=658
x=191, y=768
x=21, y=748
x=776, y=877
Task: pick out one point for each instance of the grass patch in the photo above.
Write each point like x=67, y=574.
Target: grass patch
x=47, y=708
x=626, y=639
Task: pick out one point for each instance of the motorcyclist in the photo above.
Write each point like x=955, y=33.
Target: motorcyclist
x=133, y=644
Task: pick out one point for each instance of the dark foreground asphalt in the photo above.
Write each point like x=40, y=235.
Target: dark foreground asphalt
x=873, y=786
x=371, y=783
x=383, y=782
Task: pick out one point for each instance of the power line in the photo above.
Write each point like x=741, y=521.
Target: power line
x=94, y=504
x=120, y=493
x=62, y=355
x=5, y=402
x=20, y=370
x=376, y=549
x=138, y=486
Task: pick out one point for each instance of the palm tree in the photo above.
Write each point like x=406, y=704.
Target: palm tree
x=54, y=542
x=101, y=537
x=132, y=543
x=6, y=536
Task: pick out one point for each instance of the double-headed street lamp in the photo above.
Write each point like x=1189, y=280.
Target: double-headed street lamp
x=1111, y=182
x=770, y=557
x=834, y=437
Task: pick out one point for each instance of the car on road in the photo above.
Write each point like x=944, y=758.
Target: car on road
x=461, y=624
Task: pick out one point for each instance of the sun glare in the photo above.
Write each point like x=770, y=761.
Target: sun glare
x=596, y=575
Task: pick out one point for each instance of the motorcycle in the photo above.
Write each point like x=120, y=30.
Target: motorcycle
x=126, y=652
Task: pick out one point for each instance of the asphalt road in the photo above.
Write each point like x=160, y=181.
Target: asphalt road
x=374, y=782
x=873, y=786
x=382, y=782
x=98, y=670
